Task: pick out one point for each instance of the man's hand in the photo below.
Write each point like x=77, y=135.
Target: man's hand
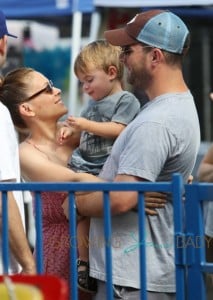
x=154, y=200
x=30, y=269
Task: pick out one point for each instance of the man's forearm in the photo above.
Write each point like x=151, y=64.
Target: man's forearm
x=17, y=238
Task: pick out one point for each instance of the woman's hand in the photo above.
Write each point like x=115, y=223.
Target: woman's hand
x=64, y=133
x=65, y=207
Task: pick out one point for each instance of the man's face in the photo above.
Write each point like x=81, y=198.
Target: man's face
x=135, y=59
x=3, y=50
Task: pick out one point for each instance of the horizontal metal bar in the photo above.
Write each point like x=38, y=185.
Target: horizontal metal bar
x=71, y=186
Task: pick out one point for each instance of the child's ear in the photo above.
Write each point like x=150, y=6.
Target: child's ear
x=112, y=72
x=25, y=109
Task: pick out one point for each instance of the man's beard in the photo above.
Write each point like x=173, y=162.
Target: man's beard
x=140, y=78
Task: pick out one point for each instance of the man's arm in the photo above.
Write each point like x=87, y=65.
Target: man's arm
x=91, y=204
x=17, y=238
x=205, y=174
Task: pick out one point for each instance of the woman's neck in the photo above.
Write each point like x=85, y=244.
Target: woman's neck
x=43, y=134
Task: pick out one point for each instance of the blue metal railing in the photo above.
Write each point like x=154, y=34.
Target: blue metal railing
x=196, y=263
x=181, y=229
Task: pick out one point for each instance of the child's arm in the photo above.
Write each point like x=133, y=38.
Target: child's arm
x=104, y=129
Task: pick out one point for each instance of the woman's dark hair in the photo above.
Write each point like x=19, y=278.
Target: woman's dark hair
x=14, y=89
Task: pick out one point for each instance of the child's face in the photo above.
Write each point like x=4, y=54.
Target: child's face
x=97, y=84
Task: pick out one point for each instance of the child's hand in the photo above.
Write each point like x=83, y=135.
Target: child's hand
x=78, y=123
x=63, y=134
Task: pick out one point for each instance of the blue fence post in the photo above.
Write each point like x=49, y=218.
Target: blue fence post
x=178, y=206
x=73, y=247
x=108, y=244
x=39, y=235
x=5, y=233
x=194, y=255
x=142, y=247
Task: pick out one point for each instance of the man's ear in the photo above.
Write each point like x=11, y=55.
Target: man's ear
x=156, y=57
x=25, y=109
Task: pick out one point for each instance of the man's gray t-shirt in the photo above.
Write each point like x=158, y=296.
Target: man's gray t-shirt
x=90, y=156
x=164, y=138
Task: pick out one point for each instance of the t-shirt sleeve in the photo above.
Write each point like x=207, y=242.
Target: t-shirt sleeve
x=145, y=154
x=7, y=155
x=126, y=109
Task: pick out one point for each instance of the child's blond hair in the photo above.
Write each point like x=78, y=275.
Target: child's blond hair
x=100, y=55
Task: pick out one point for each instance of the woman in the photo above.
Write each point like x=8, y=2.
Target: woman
x=36, y=106
x=205, y=174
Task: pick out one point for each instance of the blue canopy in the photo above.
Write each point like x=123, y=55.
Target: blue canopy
x=20, y=9
x=198, y=12
x=15, y=9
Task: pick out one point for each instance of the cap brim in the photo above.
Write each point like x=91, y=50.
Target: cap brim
x=119, y=37
x=12, y=35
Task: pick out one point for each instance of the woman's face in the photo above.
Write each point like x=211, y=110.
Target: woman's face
x=44, y=99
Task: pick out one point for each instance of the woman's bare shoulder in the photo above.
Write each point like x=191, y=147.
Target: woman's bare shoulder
x=23, y=145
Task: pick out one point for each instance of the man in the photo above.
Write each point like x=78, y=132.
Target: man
x=164, y=138
x=21, y=258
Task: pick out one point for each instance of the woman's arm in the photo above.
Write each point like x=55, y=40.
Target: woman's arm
x=37, y=166
x=205, y=170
